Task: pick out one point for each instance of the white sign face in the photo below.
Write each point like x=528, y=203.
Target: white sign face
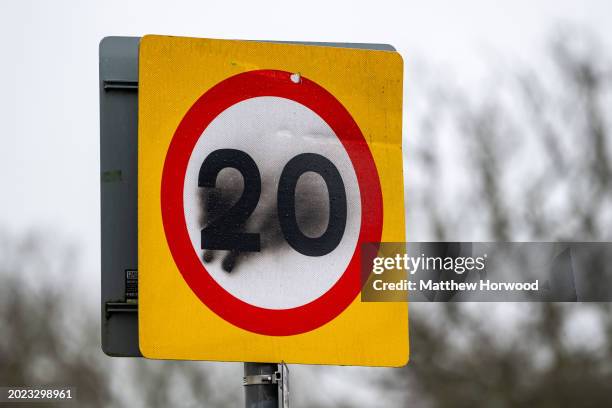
x=272, y=131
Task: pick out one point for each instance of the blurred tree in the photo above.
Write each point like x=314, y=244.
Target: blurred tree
x=537, y=155
x=44, y=340
x=48, y=337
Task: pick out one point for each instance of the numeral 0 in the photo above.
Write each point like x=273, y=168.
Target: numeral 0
x=223, y=232
x=330, y=239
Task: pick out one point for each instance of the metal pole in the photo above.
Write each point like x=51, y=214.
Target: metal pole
x=260, y=386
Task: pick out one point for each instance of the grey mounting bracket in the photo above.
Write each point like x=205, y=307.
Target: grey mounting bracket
x=280, y=378
x=118, y=86
x=262, y=379
x=120, y=307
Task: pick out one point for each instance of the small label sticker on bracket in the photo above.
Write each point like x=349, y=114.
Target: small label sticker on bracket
x=131, y=285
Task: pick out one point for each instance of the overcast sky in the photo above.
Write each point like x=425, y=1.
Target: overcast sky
x=49, y=160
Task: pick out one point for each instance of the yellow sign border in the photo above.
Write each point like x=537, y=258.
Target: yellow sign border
x=173, y=323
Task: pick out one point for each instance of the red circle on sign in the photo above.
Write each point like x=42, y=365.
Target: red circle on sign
x=273, y=322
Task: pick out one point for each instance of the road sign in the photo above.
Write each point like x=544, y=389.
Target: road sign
x=262, y=169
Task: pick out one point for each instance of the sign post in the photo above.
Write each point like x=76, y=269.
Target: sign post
x=260, y=385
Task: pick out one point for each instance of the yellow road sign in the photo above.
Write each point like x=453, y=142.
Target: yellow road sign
x=262, y=168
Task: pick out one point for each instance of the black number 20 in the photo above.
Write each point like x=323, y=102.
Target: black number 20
x=223, y=232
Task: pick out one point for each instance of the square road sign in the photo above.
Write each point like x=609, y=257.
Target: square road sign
x=262, y=168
